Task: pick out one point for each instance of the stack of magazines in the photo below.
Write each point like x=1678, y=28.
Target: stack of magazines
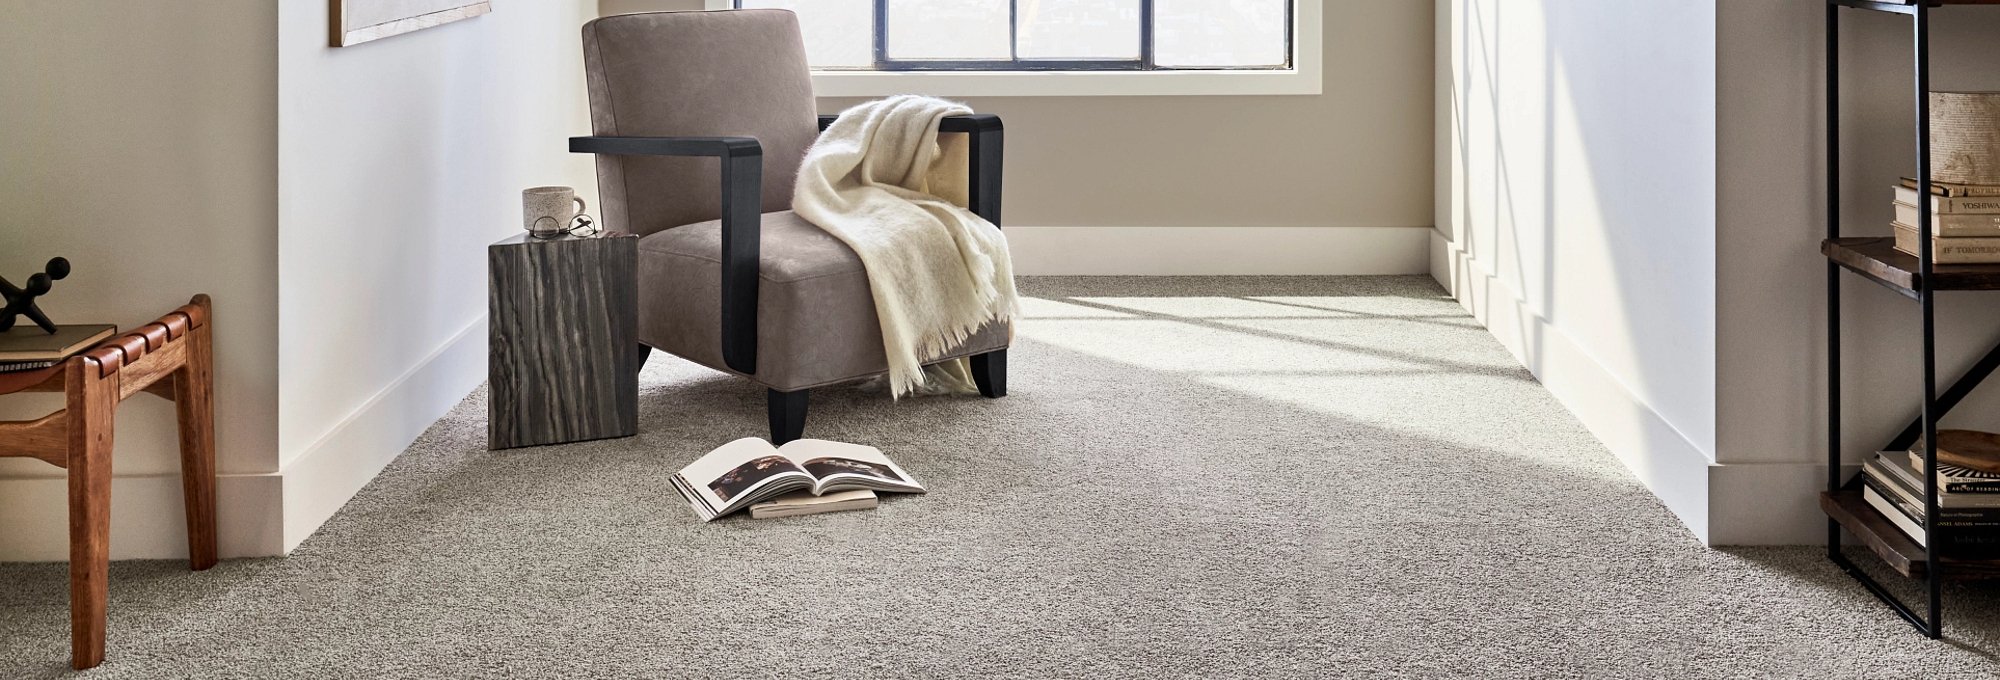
x=1968, y=502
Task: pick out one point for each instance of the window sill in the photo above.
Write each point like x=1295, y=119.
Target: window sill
x=1303, y=81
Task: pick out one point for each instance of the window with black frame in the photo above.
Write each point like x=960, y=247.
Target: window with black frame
x=1043, y=35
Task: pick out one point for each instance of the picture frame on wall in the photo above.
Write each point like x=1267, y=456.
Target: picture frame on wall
x=353, y=22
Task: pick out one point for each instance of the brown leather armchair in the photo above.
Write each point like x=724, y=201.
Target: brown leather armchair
x=700, y=121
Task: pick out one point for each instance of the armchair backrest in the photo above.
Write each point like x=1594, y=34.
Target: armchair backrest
x=695, y=74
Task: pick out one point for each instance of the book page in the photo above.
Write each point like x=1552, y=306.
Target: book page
x=737, y=471
x=841, y=465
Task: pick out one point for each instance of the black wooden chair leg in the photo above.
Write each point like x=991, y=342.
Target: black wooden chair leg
x=788, y=415
x=989, y=371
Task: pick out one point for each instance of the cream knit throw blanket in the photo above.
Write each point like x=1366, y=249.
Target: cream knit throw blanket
x=879, y=180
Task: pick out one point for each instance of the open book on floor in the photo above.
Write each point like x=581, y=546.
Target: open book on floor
x=748, y=471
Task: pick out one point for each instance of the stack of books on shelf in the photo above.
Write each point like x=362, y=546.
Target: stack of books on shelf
x=1965, y=222
x=1968, y=499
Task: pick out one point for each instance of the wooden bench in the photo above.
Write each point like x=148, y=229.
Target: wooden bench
x=171, y=358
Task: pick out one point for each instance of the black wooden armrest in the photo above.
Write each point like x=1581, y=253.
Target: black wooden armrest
x=742, y=160
x=737, y=147
x=988, y=153
x=971, y=122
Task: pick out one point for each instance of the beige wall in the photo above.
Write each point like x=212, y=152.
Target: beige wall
x=1358, y=155
x=139, y=139
x=1771, y=216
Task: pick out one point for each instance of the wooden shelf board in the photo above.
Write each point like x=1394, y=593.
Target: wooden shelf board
x=1895, y=548
x=1876, y=258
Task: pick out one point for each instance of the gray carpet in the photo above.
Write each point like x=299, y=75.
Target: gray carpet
x=1193, y=477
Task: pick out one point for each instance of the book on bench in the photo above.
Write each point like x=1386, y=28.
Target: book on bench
x=749, y=471
x=26, y=347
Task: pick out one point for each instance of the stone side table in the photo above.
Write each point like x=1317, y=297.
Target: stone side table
x=563, y=362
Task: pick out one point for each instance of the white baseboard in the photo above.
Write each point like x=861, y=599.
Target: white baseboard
x=259, y=514
x=1218, y=251
x=1673, y=467
x=330, y=471
x=1723, y=504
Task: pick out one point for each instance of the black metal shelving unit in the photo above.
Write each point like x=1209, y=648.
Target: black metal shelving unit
x=1919, y=279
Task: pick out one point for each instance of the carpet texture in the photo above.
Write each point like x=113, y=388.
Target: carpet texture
x=1193, y=477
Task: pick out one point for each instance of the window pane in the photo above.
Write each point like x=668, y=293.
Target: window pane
x=1192, y=33
x=1079, y=29
x=949, y=29
x=839, y=33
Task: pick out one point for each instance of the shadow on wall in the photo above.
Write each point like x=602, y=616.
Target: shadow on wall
x=1584, y=139
x=1638, y=203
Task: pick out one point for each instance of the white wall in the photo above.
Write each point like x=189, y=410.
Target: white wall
x=1771, y=217
x=398, y=162
x=139, y=139
x=1579, y=219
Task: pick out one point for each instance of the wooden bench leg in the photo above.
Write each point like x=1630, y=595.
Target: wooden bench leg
x=194, y=401
x=91, y=403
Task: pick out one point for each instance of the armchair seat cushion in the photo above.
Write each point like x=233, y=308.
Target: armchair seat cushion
x=816, y=320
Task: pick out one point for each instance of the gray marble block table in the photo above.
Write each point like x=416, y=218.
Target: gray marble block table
x=562, y=318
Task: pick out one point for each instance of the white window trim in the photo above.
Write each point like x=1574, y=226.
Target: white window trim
x=1304, y=78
